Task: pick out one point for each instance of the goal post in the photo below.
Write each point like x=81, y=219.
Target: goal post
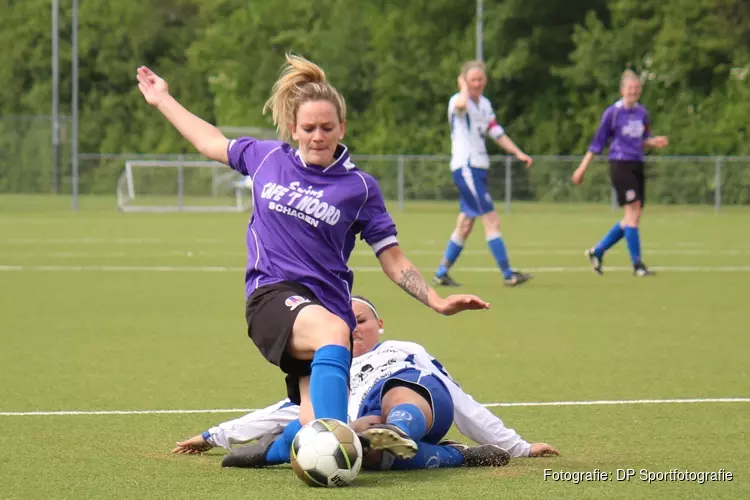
x=182, y=186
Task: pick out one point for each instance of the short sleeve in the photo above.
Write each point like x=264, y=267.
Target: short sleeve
x=603, y=133
x=646, y=125
x=378, y=228
x=246, y=154
x=494, y=129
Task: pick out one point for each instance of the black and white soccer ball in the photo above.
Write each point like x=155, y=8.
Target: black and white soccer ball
x=326, y=452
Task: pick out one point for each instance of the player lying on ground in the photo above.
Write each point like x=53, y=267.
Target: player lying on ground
x=399, y=387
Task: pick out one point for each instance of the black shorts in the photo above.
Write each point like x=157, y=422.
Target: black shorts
x=270, y=312
x=628, y=180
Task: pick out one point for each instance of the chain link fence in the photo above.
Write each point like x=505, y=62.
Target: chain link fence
x=30, y=164
x=671, y=180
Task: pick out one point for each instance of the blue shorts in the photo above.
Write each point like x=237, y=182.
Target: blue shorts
x=437, y=394
x=472, y=190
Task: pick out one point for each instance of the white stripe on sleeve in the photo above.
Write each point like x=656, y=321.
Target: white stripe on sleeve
x=379, y=245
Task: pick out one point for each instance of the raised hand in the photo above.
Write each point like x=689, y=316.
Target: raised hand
x=463, y=87
x=454, y=304
x=152, y=86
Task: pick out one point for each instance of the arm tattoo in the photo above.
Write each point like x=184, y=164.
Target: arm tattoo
x=413, y=284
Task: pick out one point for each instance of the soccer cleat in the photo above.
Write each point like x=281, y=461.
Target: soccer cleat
x=364, y=441
x=485, y=455
x=517, y=278
x=454, y=444
x=388, y=437
x=252, y=455
x=596, y=262
x=640, y=270
x=445, y=281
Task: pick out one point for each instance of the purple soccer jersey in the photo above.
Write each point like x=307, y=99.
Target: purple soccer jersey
x=305, y=220
x=626, y=128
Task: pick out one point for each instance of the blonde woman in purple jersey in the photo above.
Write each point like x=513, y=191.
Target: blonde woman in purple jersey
x=310, y=203
x=625, y=127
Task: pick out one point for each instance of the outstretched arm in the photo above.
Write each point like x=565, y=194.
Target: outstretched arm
x=402, y=272
x=481, y=425
x=474, y=420
x=508, y=145
x=581, y=170
x=242, y=429
x=206, y=138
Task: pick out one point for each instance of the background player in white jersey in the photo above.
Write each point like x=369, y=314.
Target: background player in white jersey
x=471, y=119
x=383, y=374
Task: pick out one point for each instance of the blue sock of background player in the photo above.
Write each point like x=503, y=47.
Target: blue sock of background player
x=452, y=252
x=614, y=235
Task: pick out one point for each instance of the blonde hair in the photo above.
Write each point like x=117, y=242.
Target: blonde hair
x=300, y=81
x=469, y=65
x=629, y=74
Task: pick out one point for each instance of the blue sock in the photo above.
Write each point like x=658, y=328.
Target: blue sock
x=497, y=247
x=410, y=419
x=280, y=450
x=633, y=238
x=613, y=236
x=329, y=382
x=452, y=251
x=430, y=456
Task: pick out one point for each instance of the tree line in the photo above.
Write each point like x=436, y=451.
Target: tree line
x=552, y=66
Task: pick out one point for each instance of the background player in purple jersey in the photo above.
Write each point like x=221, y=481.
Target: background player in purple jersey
x=625, y=126
x=472, y=119
x=309, y=205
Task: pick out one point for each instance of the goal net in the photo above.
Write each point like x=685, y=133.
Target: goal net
x=181, y=186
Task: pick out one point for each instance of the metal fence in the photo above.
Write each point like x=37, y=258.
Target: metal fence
x=29, y=162
x=672, y=180
x=27, y=165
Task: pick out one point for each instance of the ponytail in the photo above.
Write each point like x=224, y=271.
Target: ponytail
x=300, y=81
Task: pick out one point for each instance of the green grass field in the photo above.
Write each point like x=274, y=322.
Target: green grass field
x=107, y=311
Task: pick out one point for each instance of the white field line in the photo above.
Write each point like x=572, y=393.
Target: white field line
x=619, y=402
x=367, y=269
x=489, y=405
x=356, y=253
x=112, y=241
x=217, y=241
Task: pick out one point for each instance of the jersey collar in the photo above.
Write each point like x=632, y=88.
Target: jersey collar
x=342, y=163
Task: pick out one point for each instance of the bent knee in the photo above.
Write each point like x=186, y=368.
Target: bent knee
x=633, y=213
x=400, y=394
x=491, y=222
x=314, y=328
x=306, y=414
x=464, y=225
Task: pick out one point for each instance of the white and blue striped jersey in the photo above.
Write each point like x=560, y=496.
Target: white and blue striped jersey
x=472, y=419
x=469, y=129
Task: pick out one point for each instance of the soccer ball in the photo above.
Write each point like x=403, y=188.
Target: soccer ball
x=326, y=452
